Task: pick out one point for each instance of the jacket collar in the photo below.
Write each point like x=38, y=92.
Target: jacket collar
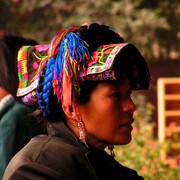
x=60, y=130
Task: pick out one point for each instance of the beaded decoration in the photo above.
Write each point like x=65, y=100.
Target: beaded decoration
x=30, y=99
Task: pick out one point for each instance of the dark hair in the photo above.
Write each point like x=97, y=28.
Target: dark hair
x=96, y=35
x=9, y=46
x=130, y=63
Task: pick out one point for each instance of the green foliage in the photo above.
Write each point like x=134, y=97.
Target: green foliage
x=143, y=153
x=141, y=22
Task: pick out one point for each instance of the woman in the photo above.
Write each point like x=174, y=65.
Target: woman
x=16, y=129
x=82, y=85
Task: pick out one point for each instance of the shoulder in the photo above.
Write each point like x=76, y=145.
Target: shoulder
x=51, y=153
x=22, y=108
x=17, y=115
x=57, y=150
x=44, y=146
x=16, y=109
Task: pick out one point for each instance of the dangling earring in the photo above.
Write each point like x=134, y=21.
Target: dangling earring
x=82, y=134
x=111, y=148
x=81, y=131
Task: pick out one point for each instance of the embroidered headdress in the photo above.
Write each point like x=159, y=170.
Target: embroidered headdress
x=58, y=68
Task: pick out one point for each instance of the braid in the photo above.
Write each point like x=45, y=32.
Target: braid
x=45, y=90
x=40, y=88
x=96, y=35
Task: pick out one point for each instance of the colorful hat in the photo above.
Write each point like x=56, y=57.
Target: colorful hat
x=66, y=62
x=29, y=61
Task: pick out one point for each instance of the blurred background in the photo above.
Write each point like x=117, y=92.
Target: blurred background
x=154, y=27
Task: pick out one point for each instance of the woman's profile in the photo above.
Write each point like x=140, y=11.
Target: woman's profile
x=81, y=84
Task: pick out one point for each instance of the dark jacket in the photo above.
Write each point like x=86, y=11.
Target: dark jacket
x=61, y=156
x=16, y=130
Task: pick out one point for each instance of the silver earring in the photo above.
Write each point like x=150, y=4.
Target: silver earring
x=82, y=132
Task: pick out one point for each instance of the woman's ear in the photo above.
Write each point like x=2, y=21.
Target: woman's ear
x=69, y=112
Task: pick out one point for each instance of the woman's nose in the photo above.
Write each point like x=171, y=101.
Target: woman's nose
x=129, y=106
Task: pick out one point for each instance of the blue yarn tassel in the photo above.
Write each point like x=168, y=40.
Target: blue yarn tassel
x=71, y=58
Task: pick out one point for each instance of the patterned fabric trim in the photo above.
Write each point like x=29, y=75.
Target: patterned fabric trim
x=107, y=75
x=103, y=59
x=22, y=66
x=31, y=87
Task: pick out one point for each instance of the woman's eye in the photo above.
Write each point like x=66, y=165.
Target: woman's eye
x=116, y=94
x=119, y=94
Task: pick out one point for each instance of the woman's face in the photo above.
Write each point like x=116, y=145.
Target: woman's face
x=108, y=115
